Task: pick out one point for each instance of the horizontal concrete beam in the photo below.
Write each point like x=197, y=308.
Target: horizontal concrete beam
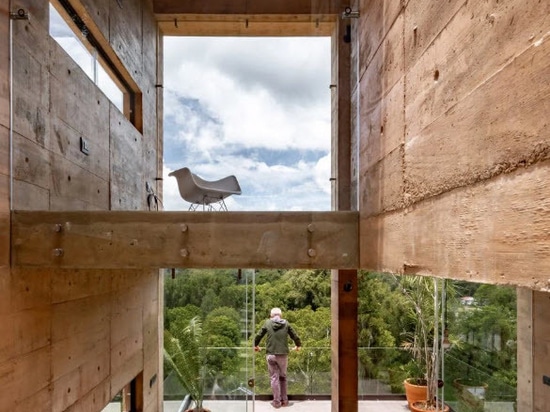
x=247, y=18
x=130, y=239
x=248, y=7
x=244, y=25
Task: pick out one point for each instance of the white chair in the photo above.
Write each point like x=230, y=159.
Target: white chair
x=208, y=194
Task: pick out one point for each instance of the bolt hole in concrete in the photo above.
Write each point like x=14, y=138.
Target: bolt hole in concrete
x=436, y=75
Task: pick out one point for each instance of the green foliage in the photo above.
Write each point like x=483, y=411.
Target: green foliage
x=499, y=296
x=295, y=289
x=378, y=324
x=423, y=304
x=268, y=276
x=314, y=358
x=487, y=348
x=185, y=355
x=232, y=296
x=220, y=324
x=304, y=296
x=179, y=317
x=191, y=286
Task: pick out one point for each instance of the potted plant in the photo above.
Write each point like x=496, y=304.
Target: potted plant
x=185, y=355
x=421, y=298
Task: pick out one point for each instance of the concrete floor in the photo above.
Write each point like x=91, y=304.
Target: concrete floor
x=295, y=406
x=308, y=406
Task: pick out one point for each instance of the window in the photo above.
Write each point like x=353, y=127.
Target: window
x=74, y=36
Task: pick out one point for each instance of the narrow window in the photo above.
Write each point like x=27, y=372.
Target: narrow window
x=74, y=36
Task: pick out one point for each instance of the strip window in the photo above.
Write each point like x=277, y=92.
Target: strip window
x=75, y=37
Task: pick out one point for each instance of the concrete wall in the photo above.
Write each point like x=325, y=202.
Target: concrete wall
x=452, y=102
x=5, y=275
x=454, y=139
x=72, y=339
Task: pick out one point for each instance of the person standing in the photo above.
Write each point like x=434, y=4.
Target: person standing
x=278, y=331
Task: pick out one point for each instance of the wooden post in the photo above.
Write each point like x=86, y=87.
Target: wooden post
x=525, y=350
x=344, y=282
x=344, y=341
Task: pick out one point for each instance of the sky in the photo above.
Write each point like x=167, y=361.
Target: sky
x=253, y=107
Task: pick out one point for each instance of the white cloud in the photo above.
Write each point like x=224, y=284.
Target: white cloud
x=323, y=173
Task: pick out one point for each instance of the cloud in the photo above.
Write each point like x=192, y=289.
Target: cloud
x=295, y=70
x=254, y=107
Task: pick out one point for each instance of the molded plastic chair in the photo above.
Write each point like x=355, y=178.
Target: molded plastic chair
x=208, y=194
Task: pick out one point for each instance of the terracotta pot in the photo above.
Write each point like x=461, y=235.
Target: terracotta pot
x=421, y=406
x=414, y=392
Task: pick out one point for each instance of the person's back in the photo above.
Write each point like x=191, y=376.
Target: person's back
x=278, y=331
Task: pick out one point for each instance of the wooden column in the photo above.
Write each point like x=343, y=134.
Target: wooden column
x=341, y=118
x=525, y=349
x=344, y=341
x=540, y=358
x=344, y=282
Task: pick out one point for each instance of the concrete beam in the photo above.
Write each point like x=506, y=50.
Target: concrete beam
x=124, y=239
x=247, y=7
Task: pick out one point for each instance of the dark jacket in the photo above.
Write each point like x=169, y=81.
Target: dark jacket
x=278, y=331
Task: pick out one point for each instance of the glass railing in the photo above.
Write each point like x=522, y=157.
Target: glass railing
x=240, y=374
x=381, y=371
x=237, y=373
x=478, y=385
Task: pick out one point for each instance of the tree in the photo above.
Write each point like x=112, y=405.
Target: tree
x=377, y=323
x=179, y=317
x=295, y=289
x=191, y=285
x=313, y=362
x=487, y=348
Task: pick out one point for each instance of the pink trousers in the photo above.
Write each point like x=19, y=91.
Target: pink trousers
x=276, y=365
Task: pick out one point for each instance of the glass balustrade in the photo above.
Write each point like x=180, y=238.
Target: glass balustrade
x=469, y=386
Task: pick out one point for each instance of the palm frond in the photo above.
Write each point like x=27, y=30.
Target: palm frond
x=185, y=354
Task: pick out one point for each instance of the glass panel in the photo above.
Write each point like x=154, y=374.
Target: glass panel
x=85, y=56
x=472, y=328
x=62, y=33
x=381, y=371
x=304, y=296
x=223, y=302
x=480, y=366
x=309, y=374
x=109, y=87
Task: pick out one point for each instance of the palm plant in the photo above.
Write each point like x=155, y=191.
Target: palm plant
x=185, y=354
x=424, y=308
